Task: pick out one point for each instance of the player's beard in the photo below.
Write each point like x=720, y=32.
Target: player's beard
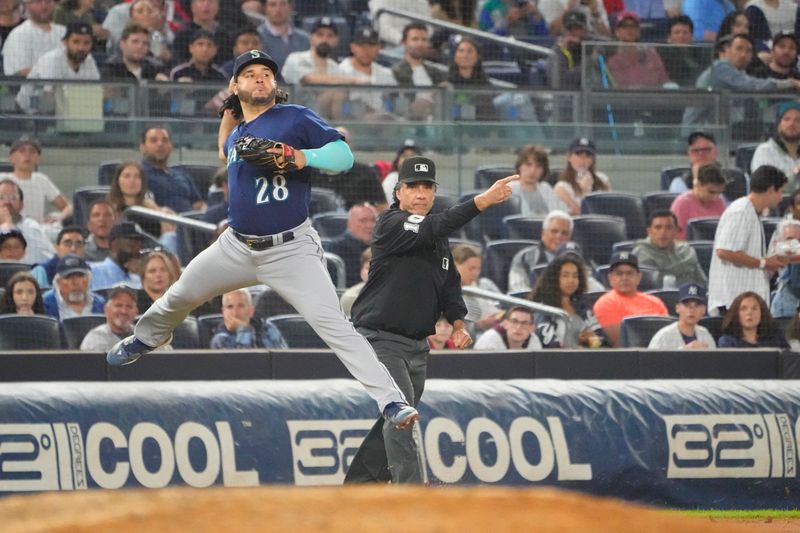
x=257, y=101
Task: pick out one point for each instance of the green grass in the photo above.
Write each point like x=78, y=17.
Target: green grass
x=760, y=514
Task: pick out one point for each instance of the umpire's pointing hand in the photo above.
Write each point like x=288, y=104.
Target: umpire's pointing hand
x=499, y=192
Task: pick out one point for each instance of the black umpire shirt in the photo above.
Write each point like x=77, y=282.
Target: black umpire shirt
x=412, y=276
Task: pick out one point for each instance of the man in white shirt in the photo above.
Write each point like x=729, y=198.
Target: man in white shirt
x=120, y=311
x=361, y=66
x=32, y=39
x=73, y=61
x=782, y=150
x=740, y=262
x=316, y=65
x=516, y=332
x=39, y=248
x=686, y=333
x=593, y=10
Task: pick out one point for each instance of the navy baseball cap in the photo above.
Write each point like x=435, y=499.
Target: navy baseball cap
x=13, y=233
x=582, y=144
x=80, y=28
x=573, y=19
x=325, y=22
x=624, y=258
x=125, y=230
x=417, y=168
x=203, y=34
x=366, y=35
x=700, y=135
x=692, y=291
x=784, y=34
x=254, y=56
x=72, y=264
x=569, y=248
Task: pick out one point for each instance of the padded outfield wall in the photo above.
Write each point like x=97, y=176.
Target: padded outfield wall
x=708, y=444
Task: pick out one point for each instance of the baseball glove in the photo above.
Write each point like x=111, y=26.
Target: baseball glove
x=254, y=150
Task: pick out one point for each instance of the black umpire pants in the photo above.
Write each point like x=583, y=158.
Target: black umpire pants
x=388, y=453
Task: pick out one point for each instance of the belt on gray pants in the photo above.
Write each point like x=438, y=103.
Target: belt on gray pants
x=262, y=243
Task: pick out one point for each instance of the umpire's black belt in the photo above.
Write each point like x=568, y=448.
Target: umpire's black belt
x=262, y=243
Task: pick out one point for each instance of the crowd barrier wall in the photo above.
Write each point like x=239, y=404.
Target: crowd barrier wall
x=684, y=444
x=210, y=365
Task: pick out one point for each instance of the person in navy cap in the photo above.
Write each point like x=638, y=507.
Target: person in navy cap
x=70, y=295
x=686, y=333
x=580, y=176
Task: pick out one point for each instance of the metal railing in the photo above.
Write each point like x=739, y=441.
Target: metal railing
x=513, y=300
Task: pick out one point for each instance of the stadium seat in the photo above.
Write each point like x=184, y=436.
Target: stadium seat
x=497, y=256
x=651, y=278
x=657, y=200
x=75, y=328
x=743, y=155
x=269, y=303
x=201, y=175
x=186, y=336
x=9, y=269
x=737, y=185
x=620, y=204
x=637, y=331
x=206, y=308
x=337, y=270
x=669, y=297
x=455, y=242
x=106, y=171
x=489, y=225
x=330, y=225
x=206, y=326
x=623, y=246
x=323, y=200
x=713, y=324
x=488, y=174
x=596, y=234
x=770, y=225
x=191, y=241
x=783, y=206
x=297, y=332
x=591, y=297
x=524, y=227
x=701, y=229
x=29, y=332
x=82, y=199
x=704, y=251
x=670, y=173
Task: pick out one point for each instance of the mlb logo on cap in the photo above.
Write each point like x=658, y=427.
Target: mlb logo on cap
x=420, y=167
x=417, y=168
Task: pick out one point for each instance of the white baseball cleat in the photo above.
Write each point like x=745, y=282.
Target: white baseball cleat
x=400, y=414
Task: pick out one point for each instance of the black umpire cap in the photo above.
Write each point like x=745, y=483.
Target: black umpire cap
x=417, y=168
x=254, y=56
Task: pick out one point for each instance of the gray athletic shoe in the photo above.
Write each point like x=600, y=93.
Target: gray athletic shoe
x=127, y=351
x=400, y=414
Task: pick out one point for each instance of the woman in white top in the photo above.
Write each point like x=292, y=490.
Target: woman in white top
x=580, y=176
x=482, y=314
x=533, y=167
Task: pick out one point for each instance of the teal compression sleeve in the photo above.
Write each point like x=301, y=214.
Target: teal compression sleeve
x=334, y=156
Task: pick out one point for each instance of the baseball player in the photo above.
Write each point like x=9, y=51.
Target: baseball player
x=412, y=282
x=270, y=239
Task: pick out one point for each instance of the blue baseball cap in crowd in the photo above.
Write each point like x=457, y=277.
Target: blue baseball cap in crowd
x=254, y=56
x=569, y=248
x=72, y=264
x=692, y=291
x=624, y=257
x=582, y=144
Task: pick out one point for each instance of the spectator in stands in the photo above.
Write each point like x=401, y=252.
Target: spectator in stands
x=349, y=246
x=624, y=299
x=562, y=285
x=38, y=188
x=646, y=9
x=349, y=297
x=150, y=14
x=23, y=296
x=515, y=332
x=782, y=63
x=240, y=330
x=793, y=333
x=771, y=17
x=460, y=12
x=102, y=217
x=278, y=34
x=580, y=176
x=32, y=39
x=171, y=188
x=362, y=68
x=12, y=246
x=707, y=16
x=120, y=311
x=70, y=295
x=482, y=314
x=519, y=19
x=159, y=271
x=132, y=61
x=593, y=11
x=564, y=66
x=218, y=213
x=69, y=11
x=748, y=324
x=703, y=200
x=686, y=333
x=702, y=150
x=246, y=39
x=10, y=18
x=728, y=72
x=634, y=66
x=204, y=17
x=73, y=61
x=200, y=67
x=783, y=149
x=123, y=263
x=412, y=70
x=661, y=251
x=408, y=149
x=786, y=242
x=12, y=203
x=556, y=230
x=683, y=63
x=466, y=71
x=70, y=240
x=391, y=28
x=739, y=261
x=533, y=167
x=441, y=339
x=358, y=185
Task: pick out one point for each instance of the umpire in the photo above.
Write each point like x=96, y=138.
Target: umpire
x=412, y=282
